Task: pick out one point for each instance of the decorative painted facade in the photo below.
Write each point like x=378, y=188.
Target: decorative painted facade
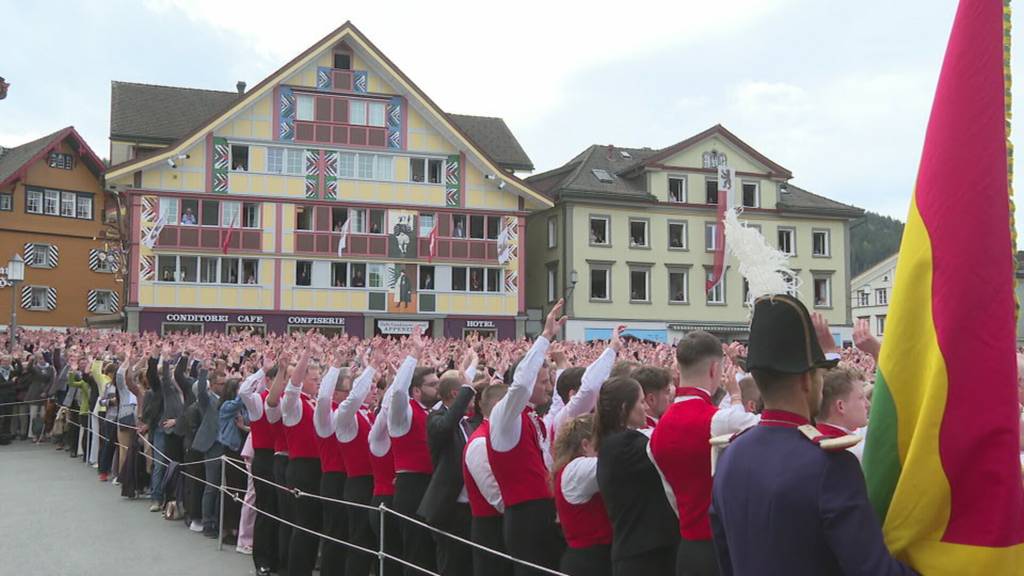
x=56, y=215
x=631, y=239
x=311, y=201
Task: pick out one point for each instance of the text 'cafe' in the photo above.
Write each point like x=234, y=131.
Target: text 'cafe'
x=329, y=324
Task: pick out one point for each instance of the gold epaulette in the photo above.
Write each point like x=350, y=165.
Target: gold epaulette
x=829, y=443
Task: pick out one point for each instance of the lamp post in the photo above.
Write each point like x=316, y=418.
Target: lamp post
x=15, y=274
x=568, y=295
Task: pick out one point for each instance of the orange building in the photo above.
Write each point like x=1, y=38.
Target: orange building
x=55, y=213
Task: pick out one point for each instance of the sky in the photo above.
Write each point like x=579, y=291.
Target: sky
x=837, y=92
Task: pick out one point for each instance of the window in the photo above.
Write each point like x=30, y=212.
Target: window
x=638, y=234
x=338, y=218
x=492, y=276
x=347, y=165
x=358, y=216
x=39, y=256
x=376, y=114
x=357, y=112
x=600, y=283
x=375, y=275
x=303, y=217
x=229, y=271
x=211, y=210
x=358, y=279
x=865, y=298
x=459, y=279
x=51, y=200
x=37, y=300
x=602, y=175
x=458, y=226
x=677, y=235
x=168, y=268
x=342, y=61
x=239, y=157
x=427, y=277
x=230, y=214
x=189, y=212
x=426, y=170
x=67, y=204
x=678, y=286
x=710, y=236
x=6, y=202
x=787, y=241
x=187, y=268
x=639, y=285
x=62, y=161
x=304, y=107
x=881, y=325
x=751, y=195
x=820, y=243
x=717, y=293
x=552, y=231
x=303, y=273
x=822, y=292
x=34, y=201
x=364, y=166
x=476, y=227
x=383, y=168
x=552, y=284
x=250, y=271
x=599, y=231
x=493, y=227
x=881, y=296
x=104, y=301
x=426, y=224
x=476, y=280
x=377, y=222
x=711, y=191
x=250, y=215
x=208, y=270
x=339, y=274
x=83, y=207
x=285, y=160
x=677, y=189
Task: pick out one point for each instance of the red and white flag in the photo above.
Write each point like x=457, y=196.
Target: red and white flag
x=432, y=243
x=227, y=237
x=726, y=199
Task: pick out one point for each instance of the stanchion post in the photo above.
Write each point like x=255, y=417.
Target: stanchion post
x=380, y=554
x=223, y=484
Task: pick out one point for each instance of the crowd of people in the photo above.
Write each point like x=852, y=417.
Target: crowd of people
x=588, y=458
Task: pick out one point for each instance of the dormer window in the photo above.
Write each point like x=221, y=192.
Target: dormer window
x=342, y=61
x=602, y=175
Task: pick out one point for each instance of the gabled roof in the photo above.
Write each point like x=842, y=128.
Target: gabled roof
x=887, y=262
x=716, y=130
x=493, y=135
x=802, y=201
x=161, y=114
x=14, y=162
x=346, y=31
x=578, y=177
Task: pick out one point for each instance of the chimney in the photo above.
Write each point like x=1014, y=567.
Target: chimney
x=240, y=86
x=611, y=151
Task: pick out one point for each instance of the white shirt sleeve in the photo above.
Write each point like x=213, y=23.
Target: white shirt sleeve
x=249, y=392
x=579, y=480
x=273, y=412
x=291, y=405
x=480, y=469
x=731, y=420
x=399, y=413
x=380, y=440
x=506, y=424
x=346, y=427
x=323, y=416
x=585, y=398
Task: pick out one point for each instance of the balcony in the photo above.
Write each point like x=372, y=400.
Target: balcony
x=210, y=238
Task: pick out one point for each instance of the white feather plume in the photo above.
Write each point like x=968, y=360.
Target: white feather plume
x=766, y=268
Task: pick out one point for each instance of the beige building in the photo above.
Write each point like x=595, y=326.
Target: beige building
x=870, y=293
x=631, y=239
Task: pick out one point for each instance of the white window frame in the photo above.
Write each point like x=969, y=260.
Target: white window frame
x=51, y=198
x=607, y=229
x=686, y=191
x=828, y=290
x=234, y=208
x=792, y=239
x=552, y=231
x=552, y=283
x=427, y=221
x=686, y=235
x=248, y=158
x=647, y=232
x=78, y=206
x=34, y=197
x=256, y=221
x=647, y=284
x=717, y=289
x=170, y=209
x=354, y=105
x=607, y=269
x=881, y=296
x=68, y=200
x=42, y=290
x=6, y=201
x=108, y=307
x=304, y=108
x=828, y=242
x=757, y=193
x=376, y=114
x=378, y=271
x=360, y=221
x=686, y=285
x=41, y=250
x=880, y=324
x=710, y=238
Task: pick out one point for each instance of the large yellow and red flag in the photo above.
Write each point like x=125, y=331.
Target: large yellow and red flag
x=942, y=455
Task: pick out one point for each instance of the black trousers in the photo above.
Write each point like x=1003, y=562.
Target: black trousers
x=335, y=524
x=237, y=483
x=489, y=531
x=592, y=561
x=264, y=535
x=453, y=557
x=417, y=543
x=304, y=475
x=657, y=562
x=532, y=534
x=71, y=431
x=359, y=489
x=392, y=534
x=194, y=488
x=696, y=558
x=285, y=509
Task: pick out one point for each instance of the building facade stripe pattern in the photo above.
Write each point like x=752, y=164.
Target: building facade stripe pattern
x=53, y=254
x=92, y=300
x=942, y=454
x=49, y=303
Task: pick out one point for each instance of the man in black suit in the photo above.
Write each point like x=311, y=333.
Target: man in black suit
x=445, y=505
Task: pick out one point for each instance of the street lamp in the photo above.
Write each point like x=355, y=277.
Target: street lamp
x=15, y=274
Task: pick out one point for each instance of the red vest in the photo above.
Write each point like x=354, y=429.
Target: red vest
x=383, y=471
x=261, y=429
x=302, y=439
x=280, y=440
x=331, y=458
x=584, y=525
x=478, y=505
x=411, y=451
x=356, y=452
x=521, y=473
x=682, y=451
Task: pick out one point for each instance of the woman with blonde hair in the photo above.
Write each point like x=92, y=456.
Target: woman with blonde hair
x=581, y=511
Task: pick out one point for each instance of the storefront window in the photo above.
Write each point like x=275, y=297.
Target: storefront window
x=180, y=328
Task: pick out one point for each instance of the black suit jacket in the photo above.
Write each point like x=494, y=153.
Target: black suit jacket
x=446, y=441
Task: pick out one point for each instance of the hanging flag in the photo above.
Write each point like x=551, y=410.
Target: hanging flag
x=942, y=454
x=149, y=240
x=504, y=245
x=227, y=237
x=726, y=198
x=343, y=239
x=432, y=251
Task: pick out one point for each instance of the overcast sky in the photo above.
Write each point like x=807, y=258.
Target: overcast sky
x=838, y=92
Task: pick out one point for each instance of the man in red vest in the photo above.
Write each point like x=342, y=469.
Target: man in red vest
x=844, y=405
x=515, y=451
x=680, y=446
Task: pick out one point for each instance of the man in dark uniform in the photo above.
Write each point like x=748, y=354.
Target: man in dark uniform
x=786, y=499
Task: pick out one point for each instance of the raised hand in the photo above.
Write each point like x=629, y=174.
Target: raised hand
x=616, y=342
x=555, y=320
x=824, y=334
x=416, y=341
x=865, y=341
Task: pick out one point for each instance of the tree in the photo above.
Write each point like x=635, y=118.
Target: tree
x=873, y=238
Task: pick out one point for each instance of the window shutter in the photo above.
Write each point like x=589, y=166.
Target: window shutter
x=51, y=298
x=26, y=297
x=90, y=300
x=54, y=256
x=30, y=253
x=94, y=260
x=115, y=301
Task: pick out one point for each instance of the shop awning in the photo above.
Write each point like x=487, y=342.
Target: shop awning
x=712, y=327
